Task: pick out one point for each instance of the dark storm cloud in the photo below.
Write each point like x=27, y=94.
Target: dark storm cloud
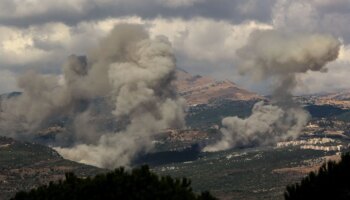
x=336, y=6
x=235, y=11
x=325, y=16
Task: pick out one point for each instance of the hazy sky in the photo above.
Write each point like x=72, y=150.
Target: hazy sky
x=40, y=34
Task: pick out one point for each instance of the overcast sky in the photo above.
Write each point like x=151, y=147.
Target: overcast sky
x=40, y=34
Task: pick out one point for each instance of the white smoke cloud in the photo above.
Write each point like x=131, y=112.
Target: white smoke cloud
x=279, y=57
x=41, y=97
x=266, y=125
x=133, y=72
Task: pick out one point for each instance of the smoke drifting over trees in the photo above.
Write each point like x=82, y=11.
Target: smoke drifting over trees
x=278, y=57
x=131, y=70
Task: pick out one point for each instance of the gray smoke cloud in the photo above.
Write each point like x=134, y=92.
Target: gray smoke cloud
x=132, y=72
x=278, y=57
x=41, y=97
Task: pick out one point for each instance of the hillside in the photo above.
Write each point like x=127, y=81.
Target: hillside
x=203, y=90
x=26, y=165
x=339, y=99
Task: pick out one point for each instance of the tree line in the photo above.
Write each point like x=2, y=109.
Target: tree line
x=139, y=184
x=332, y=181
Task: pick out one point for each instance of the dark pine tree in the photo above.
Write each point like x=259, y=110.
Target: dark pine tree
x=139, y=184
x=331, y=182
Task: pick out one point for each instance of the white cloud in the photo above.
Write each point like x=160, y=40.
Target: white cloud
x=207, y=47
x=16, y=47
x=45, y=47
x=205, y=41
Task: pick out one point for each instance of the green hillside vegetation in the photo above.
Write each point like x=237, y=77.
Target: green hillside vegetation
x=331, y=182
x=140, y=184
x=344, y=116
x=324, y=111
x=204, y=116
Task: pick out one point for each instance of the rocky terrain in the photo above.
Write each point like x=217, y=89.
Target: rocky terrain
x=203, y=90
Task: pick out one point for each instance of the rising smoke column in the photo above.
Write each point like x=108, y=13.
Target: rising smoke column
x=129, y=69
x=140, y=83
x=277, y=57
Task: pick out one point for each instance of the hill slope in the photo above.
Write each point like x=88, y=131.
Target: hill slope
x=204, y=90
x=26, y=165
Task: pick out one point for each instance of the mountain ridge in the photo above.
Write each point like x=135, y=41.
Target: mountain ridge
x=196, y=89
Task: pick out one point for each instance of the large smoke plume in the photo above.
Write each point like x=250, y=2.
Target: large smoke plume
x=277, y=57
x=129, y=70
